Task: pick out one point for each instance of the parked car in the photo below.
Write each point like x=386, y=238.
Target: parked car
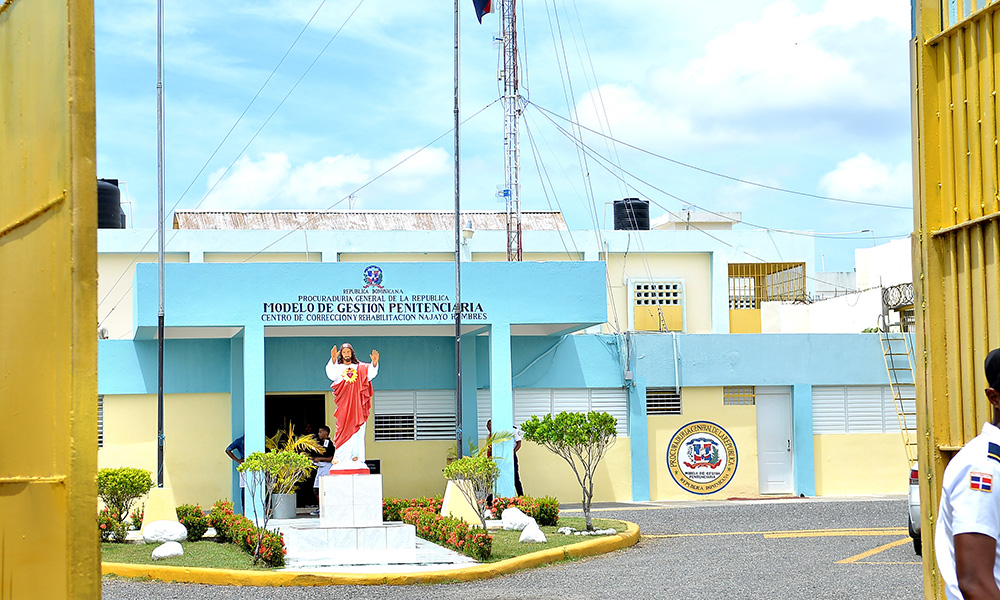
x=913, y=508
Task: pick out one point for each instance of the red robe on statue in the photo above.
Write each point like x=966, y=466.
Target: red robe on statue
x=353, y=395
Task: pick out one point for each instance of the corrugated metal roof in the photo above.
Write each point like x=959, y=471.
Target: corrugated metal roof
x=368, y=220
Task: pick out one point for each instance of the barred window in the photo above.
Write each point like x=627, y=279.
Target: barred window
x=100, y=421
x=414, y=415
x=753, y=283
x=663, y=401
x=739, y=395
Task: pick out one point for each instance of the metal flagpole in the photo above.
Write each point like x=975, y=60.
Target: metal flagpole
x=160, y=236
x=458, y=265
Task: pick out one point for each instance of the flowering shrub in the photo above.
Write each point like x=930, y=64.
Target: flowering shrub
x=545, y=511
x=450, y=532
x=137, y=515
x=392, y=507
x=111, y=526
x=268, y=546
x=118, y=488
x=194, y=519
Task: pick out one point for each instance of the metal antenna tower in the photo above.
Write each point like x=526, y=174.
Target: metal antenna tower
x=511, y=112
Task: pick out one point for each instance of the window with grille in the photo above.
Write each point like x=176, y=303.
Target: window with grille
x=658, y=293
x=753, y=283
x=402, y=415
x=739, y=395
x=663, y=401
x=100, y=421
x=541, y=402
x=858, y=408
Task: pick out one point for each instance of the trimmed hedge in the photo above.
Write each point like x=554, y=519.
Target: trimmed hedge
x=193, y=518
x=392, y=508
x=545, y=511
x=237, y=529
x=450, y=532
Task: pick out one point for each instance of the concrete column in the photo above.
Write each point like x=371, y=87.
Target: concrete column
x=470, y=407
x=502, y=400
x=638, y=438
x=803, y=459
x=253, y=416
x=236, y=410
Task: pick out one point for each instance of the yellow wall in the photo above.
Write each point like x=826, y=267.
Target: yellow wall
x=197, y=429
x=263, y=257
x=860, y=463
x=115, y=273
x=48, y=297
x=545, y=474
x=704, y=404
x=382, y=257
x=647, y=318
x=744, y=320
x=694, y=269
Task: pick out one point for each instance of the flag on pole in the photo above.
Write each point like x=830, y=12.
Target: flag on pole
x=482, y=7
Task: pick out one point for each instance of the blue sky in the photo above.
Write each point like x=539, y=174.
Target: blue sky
x=805, y=95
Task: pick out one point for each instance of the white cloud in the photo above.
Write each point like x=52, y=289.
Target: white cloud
x=272, y=182
x=867, y=179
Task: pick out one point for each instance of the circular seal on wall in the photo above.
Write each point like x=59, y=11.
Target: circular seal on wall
x=702, y=457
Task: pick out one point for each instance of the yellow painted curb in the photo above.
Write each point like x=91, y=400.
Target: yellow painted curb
x=592, y=547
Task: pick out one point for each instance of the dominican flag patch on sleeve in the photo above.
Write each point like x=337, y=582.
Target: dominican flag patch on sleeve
x=982, y=482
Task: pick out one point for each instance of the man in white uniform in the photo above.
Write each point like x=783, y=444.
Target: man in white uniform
x=968, y=525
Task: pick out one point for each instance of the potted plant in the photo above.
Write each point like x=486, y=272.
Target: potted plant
x=288, y=478
x=266, y=468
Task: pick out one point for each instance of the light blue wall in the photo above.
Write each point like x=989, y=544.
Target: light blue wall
x=189, y=366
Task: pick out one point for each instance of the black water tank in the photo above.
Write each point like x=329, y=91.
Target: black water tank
x=109, y=206
x=632, y=213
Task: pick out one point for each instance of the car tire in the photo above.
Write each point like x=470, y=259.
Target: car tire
x=916, y=538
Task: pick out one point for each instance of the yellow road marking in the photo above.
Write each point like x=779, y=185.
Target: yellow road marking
x=874, y=551
x=789, y=534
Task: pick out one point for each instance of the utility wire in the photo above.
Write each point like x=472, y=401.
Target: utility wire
x=715, y=173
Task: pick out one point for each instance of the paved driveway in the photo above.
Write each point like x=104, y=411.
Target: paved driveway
x=797, y=548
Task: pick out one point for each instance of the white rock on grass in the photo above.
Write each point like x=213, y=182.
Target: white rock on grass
x=514, y=519
x=532, y=534
x=158, y=532
x=167, y=550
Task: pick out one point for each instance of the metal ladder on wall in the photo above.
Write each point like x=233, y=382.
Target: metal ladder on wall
x=897, y=353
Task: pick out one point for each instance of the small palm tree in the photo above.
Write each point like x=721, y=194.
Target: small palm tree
x=286, y=441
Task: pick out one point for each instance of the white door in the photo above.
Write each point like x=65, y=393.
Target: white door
x=774, y=439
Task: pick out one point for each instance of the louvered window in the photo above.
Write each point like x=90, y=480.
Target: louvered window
x=100, y=421
x=414, y=415
x=663, y=401
x=541, y=402
x=855, y=409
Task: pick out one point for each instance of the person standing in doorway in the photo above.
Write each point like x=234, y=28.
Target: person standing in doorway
x=322, y=461
x=968, y=525
x=352, y=390
x=518, y=436
x=238, y=446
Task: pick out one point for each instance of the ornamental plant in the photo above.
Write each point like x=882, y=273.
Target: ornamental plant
x=266, y=546
x=545, y=511
x=581, y=440
x=392, y=507
x=192, y=517
x=111, y=525
x=474, y=476
x=288, y=479
x=263, y=470
x=450, y=532
x=118, y=488
x=137, y=516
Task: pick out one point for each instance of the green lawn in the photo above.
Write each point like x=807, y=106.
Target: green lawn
x=214, y=555
x=205, y=553
x=506, y=544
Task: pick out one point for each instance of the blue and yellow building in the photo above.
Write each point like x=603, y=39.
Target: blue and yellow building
x=660, y=328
